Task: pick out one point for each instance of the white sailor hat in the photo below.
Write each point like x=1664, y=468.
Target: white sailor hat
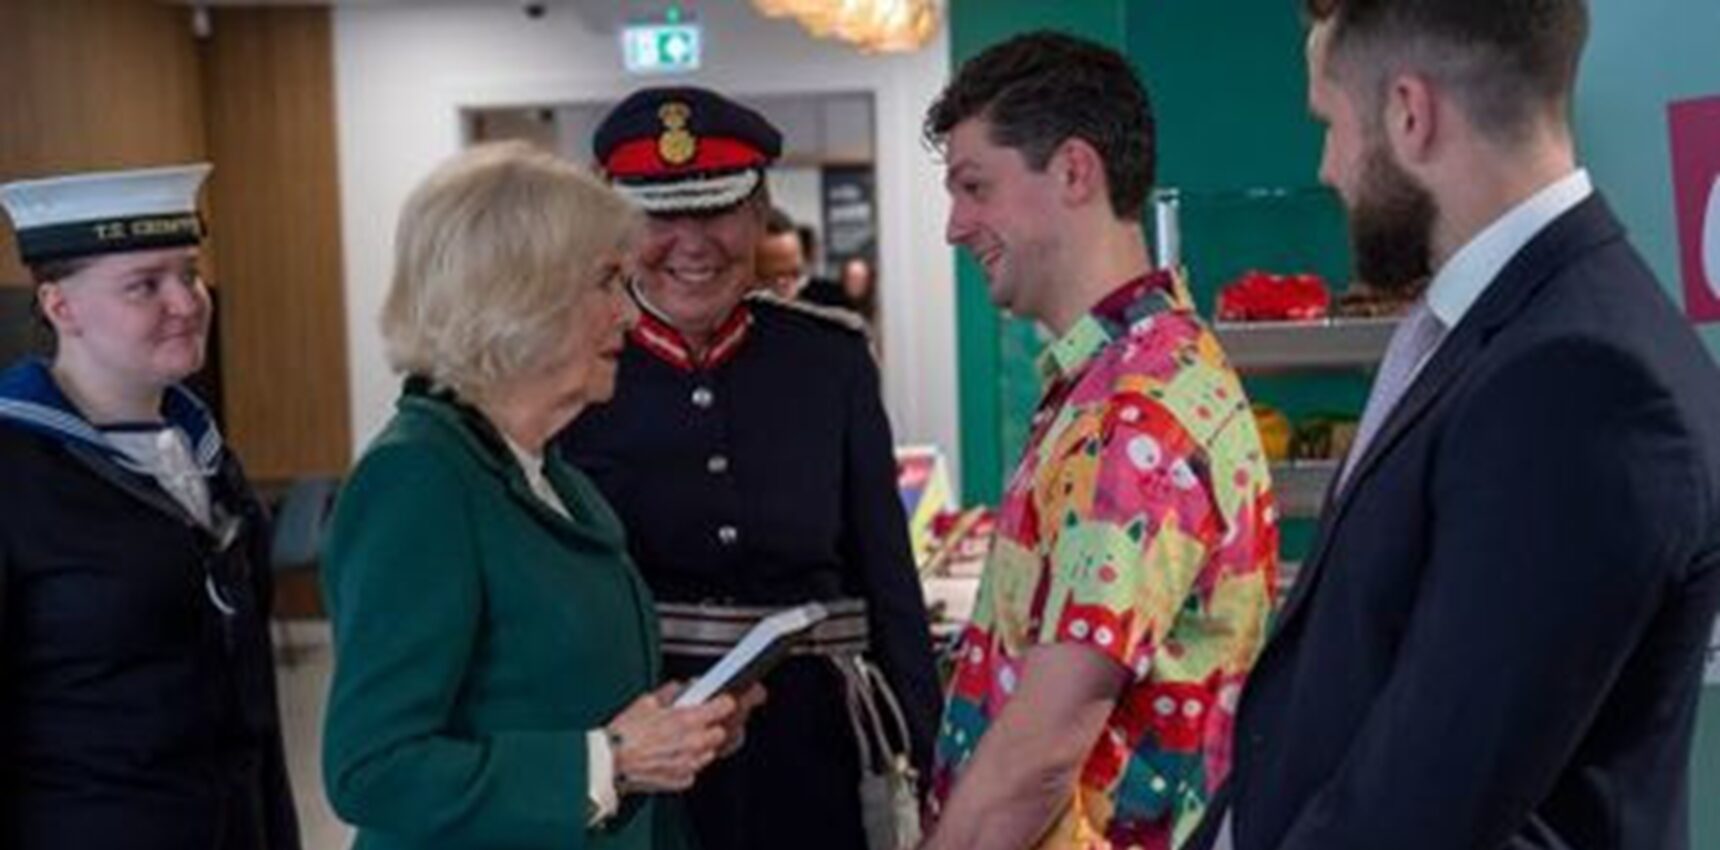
x=105, y=212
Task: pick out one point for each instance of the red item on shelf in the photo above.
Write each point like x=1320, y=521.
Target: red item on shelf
x=1258, y=296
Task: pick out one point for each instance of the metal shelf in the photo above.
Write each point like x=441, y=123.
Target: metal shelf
x=1301, y=486
x=1256, y=347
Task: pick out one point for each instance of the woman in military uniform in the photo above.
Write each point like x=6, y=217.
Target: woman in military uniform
x=137, y=696
x=749, y=457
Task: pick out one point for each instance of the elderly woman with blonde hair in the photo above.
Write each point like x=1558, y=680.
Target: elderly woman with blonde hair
x=496, y=655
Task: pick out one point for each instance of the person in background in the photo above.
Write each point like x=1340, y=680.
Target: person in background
x=860, y=287
x=1128, y=589
x=137, y=688
x=1498, y=638
x=819, y=289
x=782, y=258
x=496, y=679
x=748, y=453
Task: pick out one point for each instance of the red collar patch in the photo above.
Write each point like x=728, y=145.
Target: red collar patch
x=663, y=341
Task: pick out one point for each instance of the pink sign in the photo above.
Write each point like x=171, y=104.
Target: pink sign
x=1695, y=126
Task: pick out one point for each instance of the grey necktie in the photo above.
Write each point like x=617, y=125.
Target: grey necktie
x=1226, y=837
x=1415, y=337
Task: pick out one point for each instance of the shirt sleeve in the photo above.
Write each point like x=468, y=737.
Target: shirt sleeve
x=280, y=815
x=1127, y=509
x=600, y=773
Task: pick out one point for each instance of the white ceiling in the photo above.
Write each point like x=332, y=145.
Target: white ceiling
x=597, y=15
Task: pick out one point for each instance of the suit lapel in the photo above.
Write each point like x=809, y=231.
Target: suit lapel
x=1455, y=352
x=1583, y=228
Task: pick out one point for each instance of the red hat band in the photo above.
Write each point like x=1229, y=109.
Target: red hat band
x=643, y=158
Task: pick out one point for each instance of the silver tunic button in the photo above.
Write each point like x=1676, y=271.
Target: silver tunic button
x=727, y=535
x=702, y=397
x=717, y=464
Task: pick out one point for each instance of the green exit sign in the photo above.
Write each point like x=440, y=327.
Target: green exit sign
x=661, y=48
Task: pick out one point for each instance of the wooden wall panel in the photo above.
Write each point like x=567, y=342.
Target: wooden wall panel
x=269, y=108
x=88, y=84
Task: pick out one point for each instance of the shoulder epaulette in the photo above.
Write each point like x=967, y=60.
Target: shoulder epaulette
x=840, y=316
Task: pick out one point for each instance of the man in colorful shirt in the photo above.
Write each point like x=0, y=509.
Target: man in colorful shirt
x=1130, y=585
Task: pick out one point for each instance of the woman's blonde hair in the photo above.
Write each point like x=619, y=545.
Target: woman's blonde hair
x=489, y=256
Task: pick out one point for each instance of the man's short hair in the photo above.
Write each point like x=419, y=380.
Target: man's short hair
x=1038, y=90
x=778, y=222
x=1509, y=63
x=808, y=241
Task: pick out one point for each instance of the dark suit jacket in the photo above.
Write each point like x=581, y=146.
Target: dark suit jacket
x=1498, y=639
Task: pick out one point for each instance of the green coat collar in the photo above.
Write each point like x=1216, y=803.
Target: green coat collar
x=589, y=516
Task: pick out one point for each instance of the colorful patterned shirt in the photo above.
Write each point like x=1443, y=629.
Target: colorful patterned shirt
x=1140, y=524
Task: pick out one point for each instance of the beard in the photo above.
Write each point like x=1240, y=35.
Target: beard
x=1391, y=225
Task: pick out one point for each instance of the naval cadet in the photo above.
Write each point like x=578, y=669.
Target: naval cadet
x=137, y=690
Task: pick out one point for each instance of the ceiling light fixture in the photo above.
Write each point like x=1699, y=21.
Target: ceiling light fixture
x=874, y=26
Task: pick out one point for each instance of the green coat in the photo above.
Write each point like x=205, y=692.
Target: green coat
x=478, y=636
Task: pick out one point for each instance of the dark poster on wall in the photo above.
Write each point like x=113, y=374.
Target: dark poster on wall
x=850, y=215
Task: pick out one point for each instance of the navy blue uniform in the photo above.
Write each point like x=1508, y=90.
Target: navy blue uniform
x=764, y=475
x=133, y=713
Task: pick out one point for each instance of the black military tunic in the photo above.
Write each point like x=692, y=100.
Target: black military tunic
x=764, y=475
x=133, y=712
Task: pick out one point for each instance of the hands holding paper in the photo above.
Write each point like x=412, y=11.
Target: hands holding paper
x=661, y=748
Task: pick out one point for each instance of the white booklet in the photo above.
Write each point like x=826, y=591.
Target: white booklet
x=761, y=649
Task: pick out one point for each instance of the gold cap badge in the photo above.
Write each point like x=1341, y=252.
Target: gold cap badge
x=676, y=145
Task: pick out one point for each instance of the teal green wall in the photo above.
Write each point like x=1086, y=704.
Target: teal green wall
x=1643, y=54
x=1227, y=82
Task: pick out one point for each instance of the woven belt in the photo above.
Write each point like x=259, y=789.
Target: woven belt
x=708, y=631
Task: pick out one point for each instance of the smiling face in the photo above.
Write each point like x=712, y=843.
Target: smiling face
x=1001, y=212
x=695, y=268
x=140, y=318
